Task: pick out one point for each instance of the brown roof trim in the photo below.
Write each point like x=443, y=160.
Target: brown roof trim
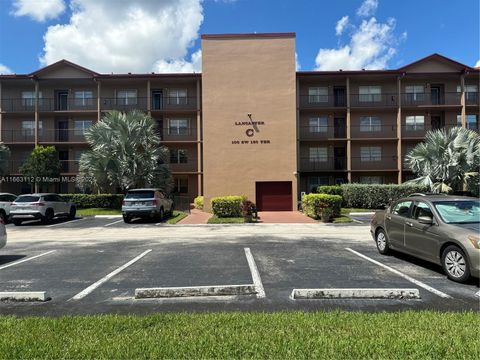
x=63, y=62
x=143, y=76
x=249, y=35
x=437, y=56
x=349, y=72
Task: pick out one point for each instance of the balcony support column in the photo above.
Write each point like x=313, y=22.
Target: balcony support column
x=36, y=113
x=199, y=143
x=298, y=136
x=1, y=119
x=462, y=100
x=149, y=99
x=399, y=130
x=349, y=130
x=99, y=100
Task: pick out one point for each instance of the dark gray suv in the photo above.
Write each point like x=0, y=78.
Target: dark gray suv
x=438, y=228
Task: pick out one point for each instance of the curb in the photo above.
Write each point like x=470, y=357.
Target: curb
x=24, y=296
x=362, y=213
x=355, y=294
x=215, y=290
x=107, y=216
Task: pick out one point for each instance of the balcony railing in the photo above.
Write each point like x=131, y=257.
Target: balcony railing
x=138, y=103
x=373, y=100
x=322, y=132
x=322, y=101
x=189, y=166
x=419, y=131
x=425, y=99
x=374, y=163
x=44, y=135
x=174, y=103
x=323, y=164
x=373, y=131
x=49, y=104
x=471, y=98
x=178, y=134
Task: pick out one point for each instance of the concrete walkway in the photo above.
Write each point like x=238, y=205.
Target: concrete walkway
x=284, y=217
x=196, y=217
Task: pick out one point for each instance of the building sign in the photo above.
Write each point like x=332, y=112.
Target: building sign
x=252, y=133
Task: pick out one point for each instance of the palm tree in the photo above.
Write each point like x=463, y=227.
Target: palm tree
x=125, y=153
x=4, y=158
x=446, y=160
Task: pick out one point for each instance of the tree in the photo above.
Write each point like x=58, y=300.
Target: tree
x=125, y=153
x=42, y=166
x=447, y=160
x=4, y=158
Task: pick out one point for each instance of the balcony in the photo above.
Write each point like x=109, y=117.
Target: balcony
x=419, y=131
x=44, y=135
x=358, y=132
x=178, y=134
x=381, y=163
x=49, y=104
x=173, y=103
x=315, y=132
x=373, y=100
x=189, y=167
x=427, y=99
x=471, y=98
x=123, y=105
x=322, y=101
x=69, y=166
x=330, y=163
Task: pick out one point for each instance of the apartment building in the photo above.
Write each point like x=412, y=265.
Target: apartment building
x=250, y=123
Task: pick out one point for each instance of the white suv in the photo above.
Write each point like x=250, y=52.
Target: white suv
x=146, y=203
x=41, y=206
x=6, y=200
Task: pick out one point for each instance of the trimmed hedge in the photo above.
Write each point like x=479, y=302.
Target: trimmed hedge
x=330, y=190
x=227, y=206
x=376, y=196
x=106, y=201
x=198, y=202
x=314, y=204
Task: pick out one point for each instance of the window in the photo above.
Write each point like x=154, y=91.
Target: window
x=402, y=208
x=471, y=93
x=371, y=180
x=28, y=128
x=470, y=121
x=127, y=97
x=316, y=181
x=318, y=125
x=177, y=127
x=83, y=98
x=370, y=124
x=28, y=98
x=318, y=94
x=415, y=122
x=178, y=156
x=421, y=209
x=80, y=126
x=370, y=153
x=181, y=185
x=177, y=96
x=318, y=154
x=369, y=93
x=414, y=93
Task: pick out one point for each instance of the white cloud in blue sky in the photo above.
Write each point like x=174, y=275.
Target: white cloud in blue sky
x=5, y=70
x=367, y=8
x=478, y=63
x=38, y=10
x=341, y=25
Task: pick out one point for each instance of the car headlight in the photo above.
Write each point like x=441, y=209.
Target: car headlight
x=475, y=240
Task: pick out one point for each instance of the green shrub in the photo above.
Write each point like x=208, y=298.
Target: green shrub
x=330, y=190
x=227, y=206
x=105, y=201
x=198, y=202
x=376, y=196
x=314, y=204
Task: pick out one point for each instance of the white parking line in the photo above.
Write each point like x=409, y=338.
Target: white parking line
x=115, y=222
x=27, y=259
x=66, y=222
x=95, y=285
x=409, y=278
x=257, y=281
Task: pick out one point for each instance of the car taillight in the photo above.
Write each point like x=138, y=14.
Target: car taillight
x=39, y=204
x=2, y=221
x=154, y=202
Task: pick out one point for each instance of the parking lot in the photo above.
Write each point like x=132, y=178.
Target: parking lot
x=95, y=265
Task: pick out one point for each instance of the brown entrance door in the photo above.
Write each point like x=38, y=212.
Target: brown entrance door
x=274, y=195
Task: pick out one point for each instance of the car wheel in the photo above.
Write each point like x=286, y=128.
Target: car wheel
x=127, y=219
x=48, y=216
x=3, y=216
x=17, y=222
x=72, y=213
x=171, y=210
x=161, y=214
x=382, y=242
x=455, y=264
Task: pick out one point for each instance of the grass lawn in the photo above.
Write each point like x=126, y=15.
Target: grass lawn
x=228, y=220
x=342, y=219
x=176, y=217
x=280, y=335
x=98, y=211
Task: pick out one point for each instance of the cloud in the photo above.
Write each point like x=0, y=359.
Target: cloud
x=371, y=46
x=132, y=36
x=341, y=24
x=38, y=10
x=477, y=64
x=297, y=63
x=367, y=8
x=5, y=70
x=180, y=66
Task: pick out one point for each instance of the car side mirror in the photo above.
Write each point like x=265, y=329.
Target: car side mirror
x=427, y=220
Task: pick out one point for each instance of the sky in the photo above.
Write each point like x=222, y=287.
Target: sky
x=141, y=36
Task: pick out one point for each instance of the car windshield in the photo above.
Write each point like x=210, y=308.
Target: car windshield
x=25, y=199
x=459, y=212
x=139, y=194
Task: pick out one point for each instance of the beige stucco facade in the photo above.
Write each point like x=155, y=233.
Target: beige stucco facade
x=250, y=75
